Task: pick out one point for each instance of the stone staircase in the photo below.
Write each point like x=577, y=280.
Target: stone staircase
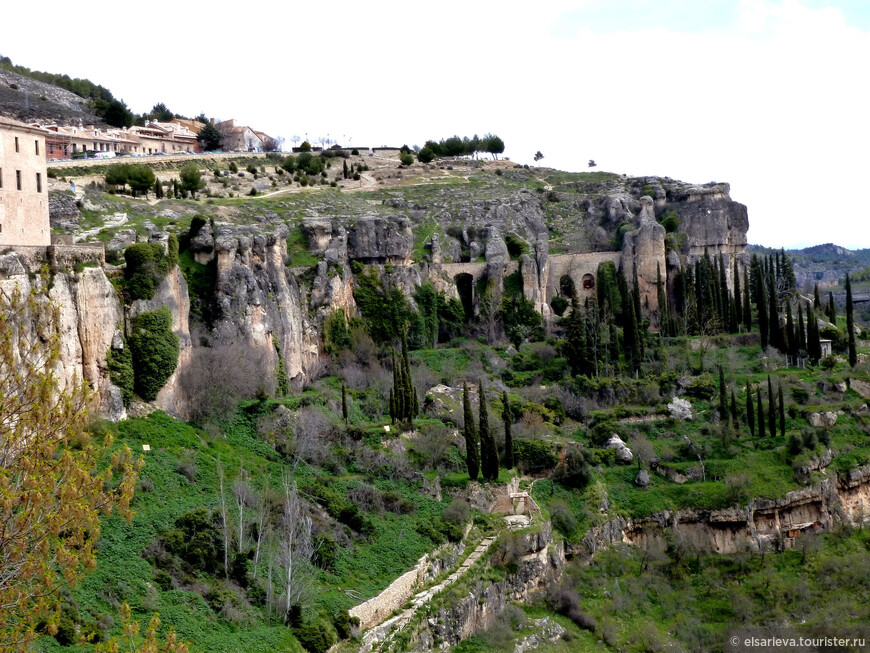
x=377, y=637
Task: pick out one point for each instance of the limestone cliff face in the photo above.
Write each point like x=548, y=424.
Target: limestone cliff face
x=710, y=220
x=763, y=524
x=89, y=315
x=259, y=301
x=643, y=252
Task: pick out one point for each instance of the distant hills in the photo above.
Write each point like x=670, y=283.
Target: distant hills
x=825, y=264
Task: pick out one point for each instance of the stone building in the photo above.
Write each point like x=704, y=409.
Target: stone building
x=23, y=185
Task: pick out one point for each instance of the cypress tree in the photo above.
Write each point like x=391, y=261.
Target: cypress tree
x=747, y=304
x=789, y=329
x=508, y=439
x=850, y=323
x=781, y=413
x=802, y=333
x=832, y=309
x=750, y=411
x=725, y=297
x=771, y=408
x=733, y=407
x=344, y=403
x=663, y=303
x=635, y=293
x=158, y=189
x=574, y=346
x=760, y=412
x=722, y=395
x=761, y=304
x=775, y=327
x=817, y=302
x=738, y=297
x=814, y=346
x=472, y=449
x=488, y=451
x=392, y=407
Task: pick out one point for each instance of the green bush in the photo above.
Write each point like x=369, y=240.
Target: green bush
x=534, y=455
x=559, y=305
x=146, y=268
x=154, y=348
x=120, y=365
x=426, y=155
x=406, y=158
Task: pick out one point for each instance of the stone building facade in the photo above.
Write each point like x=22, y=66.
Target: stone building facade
x=23, y=185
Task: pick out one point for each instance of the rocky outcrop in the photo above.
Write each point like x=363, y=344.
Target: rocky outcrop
x=537, y=568
x=643, y=254
x=259, y=301
x=63, y=212
x=763, y=524
x=380, y=240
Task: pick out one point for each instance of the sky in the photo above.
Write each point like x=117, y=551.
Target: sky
x=768, y=95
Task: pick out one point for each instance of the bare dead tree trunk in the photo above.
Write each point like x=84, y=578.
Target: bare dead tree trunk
x=225, y=524
x=262, y=514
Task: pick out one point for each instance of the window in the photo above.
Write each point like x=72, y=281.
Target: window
x=16, y=144
x=36, y=146
x=38, y=182
x=18, y=179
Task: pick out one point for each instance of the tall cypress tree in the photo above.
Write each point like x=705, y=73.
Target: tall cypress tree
x=850, y=324
x=472, y=448
x=664, y=313
x=771, y=408
x=488, y=451
x=817, y=302
x=392, y=406
x=344, y=403
x=775, y=326
x=750, y=411
x=760, y=412
x=801, y=332
x=761, y=304
x=722, y=395
x=738, y=296
x=781, y=413
x=814, y=345
x=789, y=329
x=747, y=304
x=734, y=414
x=508, y=438
x=832, y=309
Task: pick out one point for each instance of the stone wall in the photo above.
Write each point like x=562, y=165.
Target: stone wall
x=197, y=158
x=380, y=607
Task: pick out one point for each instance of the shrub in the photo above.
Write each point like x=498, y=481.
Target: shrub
x=233, y=168
x=559, y=305
x=146, y=268
x=534, y=455
x=154, y=348
x=406, y=158
x=426, y=155
x=120, y=366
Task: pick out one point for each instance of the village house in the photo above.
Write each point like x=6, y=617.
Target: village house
x=23, y=185
x=239, y=138
x=65, y=142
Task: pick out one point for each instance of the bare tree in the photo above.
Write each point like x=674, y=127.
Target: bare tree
x=273, y=144
x=262, y=526
x=490, y=312
x=223, y=373
x=295, y=549
x=244, y=497
x=295, y=138
x=312, y=429
x=225, y=524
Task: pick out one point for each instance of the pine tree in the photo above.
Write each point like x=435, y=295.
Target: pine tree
x=850, y=324
x=472, y=448
x=781, y=413
x=771, y=408
x=344, y=403
x=488, y=451
x=750, y=411
x=760, y=412
x=508, y=439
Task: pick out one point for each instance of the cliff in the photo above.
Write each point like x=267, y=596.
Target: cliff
x=763, y=524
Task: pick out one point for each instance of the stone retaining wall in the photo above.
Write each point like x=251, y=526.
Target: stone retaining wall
x=148, y=160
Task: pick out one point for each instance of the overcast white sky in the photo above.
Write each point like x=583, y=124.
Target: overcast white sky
x=769, y=95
